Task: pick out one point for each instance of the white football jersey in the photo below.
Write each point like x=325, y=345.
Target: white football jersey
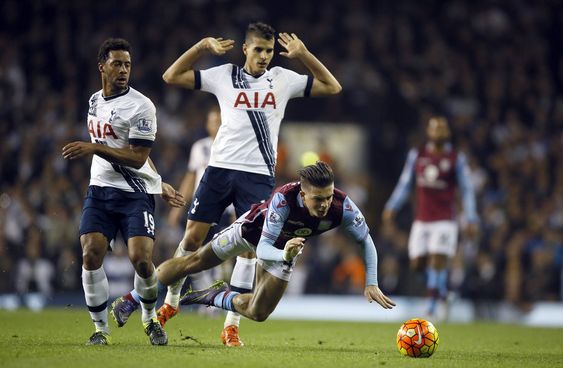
x=199, y=158
x=251, y=112
x=117, y=121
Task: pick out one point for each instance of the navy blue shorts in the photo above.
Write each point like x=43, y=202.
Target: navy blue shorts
x=221, y=187
x=107, y=210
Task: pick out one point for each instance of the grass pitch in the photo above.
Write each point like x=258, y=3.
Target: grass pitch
x=56, y=337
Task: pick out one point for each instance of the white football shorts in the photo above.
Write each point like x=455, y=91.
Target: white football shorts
x=436, y=237
x=229, y=243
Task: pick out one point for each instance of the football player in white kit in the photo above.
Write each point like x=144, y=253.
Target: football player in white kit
x=252, y=99
x=123, y=181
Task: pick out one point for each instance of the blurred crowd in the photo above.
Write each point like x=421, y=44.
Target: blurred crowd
x=495, y=69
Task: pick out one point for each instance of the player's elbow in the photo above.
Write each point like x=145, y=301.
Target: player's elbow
x=168, y=77
x=335, y=89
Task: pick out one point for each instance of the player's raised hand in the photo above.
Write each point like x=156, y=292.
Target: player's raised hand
x=293, y=45
x=293, y=248
x=372, y=293
x=78, y=149
x=217, y=46
x=172, y=196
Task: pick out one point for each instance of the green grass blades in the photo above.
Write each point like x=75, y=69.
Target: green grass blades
x=56, y=338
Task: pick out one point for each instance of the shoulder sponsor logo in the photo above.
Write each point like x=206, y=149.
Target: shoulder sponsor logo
x=359, y=221
x=304, y=231
x=274, y=217
x=144, y=125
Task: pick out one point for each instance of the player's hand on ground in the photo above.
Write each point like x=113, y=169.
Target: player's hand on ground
x=78, y=149
x=172, y=196
x=372, y=293
x=217, y=46
x=293, y=45
x=293, y=248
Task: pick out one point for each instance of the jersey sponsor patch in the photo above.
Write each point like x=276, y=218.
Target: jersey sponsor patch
x=144, y=125
x=304, y=231
x=324, y=225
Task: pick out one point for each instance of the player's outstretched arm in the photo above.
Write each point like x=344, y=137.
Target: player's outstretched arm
x=324, y=83
x=181, y=72
x=134, y=156
x=372, y=293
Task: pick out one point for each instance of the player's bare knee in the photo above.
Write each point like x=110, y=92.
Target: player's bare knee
x=92, y=256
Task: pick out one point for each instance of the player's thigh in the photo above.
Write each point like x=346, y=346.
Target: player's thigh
x=136, y=216
x=97, y=218
x=229, y=242
x=251, y=188
x=443, y=238
x=268, y=291
x=418, y=240
x=214, y=193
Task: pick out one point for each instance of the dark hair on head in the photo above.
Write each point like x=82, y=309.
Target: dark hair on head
x=261, y=30
x=319, y=175
x=112, y=44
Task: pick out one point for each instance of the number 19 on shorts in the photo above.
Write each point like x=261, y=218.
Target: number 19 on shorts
x=149, y=222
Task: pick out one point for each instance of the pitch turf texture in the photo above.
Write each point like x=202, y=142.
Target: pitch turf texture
x=56, y=337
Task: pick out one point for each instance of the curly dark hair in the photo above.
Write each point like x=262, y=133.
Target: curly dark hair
x=319, y=175
x=112, y=44
x=261, y=30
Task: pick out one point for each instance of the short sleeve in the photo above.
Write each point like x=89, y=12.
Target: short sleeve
x=209, y=80
x=142, y=130
x=299, y=85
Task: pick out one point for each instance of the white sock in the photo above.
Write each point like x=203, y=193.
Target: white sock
x=173, y=294
x=148, y=292
x=242, y=280
x=96, y=292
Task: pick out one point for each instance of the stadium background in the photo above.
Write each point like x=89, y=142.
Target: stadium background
x=495, y=69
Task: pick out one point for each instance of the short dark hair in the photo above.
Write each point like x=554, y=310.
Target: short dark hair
x=319, y=175
x=112, y=44
x=261, y=30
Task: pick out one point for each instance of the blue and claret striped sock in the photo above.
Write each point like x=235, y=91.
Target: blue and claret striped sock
x=224, y=300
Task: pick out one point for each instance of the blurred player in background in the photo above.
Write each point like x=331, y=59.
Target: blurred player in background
x=252, y=99
x=276, y=230
x=123, y=181
x=436, y=169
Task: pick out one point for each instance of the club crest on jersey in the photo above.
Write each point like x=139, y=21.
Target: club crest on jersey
x=101, y=130
x=304, y=231
x=282, y=203
x=270, y=81
x=144, y=125
x=255, y=100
